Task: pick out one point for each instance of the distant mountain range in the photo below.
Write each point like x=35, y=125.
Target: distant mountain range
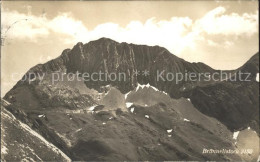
x=141, y=118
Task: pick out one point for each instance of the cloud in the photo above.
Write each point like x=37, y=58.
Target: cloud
x=66, y=24
x=21, y=26
x=176, y=34
x=216, y=22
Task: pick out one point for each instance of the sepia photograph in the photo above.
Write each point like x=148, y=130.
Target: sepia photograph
x=152, y=80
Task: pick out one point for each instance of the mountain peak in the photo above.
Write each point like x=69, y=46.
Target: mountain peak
x=64, y=104
x=79, y=44
x=104, y=40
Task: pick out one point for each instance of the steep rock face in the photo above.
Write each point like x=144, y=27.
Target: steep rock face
x=108, y=56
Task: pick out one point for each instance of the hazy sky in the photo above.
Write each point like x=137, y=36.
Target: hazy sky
x=221, y=34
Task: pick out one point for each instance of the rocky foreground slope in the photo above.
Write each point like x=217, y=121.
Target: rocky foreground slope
x=140, y=118
x=20, y=143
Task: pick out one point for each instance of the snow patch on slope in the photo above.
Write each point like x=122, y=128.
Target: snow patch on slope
x=129, y=104
x=169, y=130
x=92, y=108
x=139, y=86
x=4, y=150
x=78, y=129
x=164, y=93
x=132, y=110
x=127, y=94
x=186, y=120
x=40, y=116
x=235, y=135
x=142, y=86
